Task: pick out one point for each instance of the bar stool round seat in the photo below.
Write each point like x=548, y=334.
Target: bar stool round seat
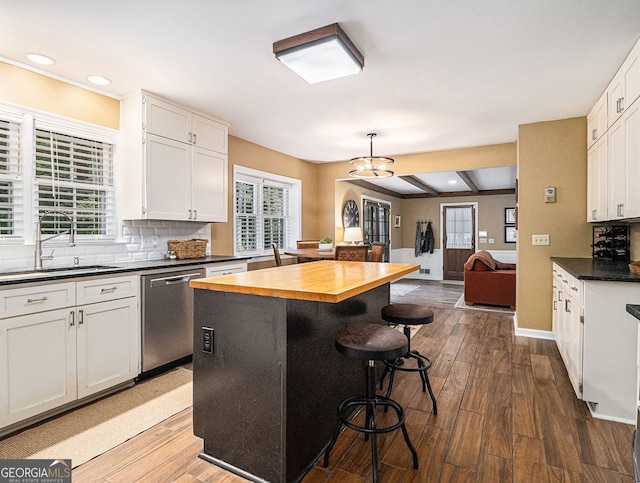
x=408, y=315
x=370, y=342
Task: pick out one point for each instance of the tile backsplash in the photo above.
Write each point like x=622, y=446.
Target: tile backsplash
x=140, y=240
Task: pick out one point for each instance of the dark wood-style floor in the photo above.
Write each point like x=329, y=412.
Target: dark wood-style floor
x=506, y=412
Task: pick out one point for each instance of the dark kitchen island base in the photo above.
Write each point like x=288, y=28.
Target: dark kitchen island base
x=265, y=399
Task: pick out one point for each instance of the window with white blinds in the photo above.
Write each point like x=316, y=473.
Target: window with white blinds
x=266, y=212
x=11, y=182
x=74, y=175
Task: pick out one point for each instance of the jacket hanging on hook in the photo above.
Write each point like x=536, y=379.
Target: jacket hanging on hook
x=429, y=239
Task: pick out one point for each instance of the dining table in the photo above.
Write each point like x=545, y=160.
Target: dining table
x=311, y=253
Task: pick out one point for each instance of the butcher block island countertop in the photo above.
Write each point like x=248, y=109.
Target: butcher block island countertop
x=321, y=281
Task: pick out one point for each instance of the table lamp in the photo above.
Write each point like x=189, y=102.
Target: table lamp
x=352, y=234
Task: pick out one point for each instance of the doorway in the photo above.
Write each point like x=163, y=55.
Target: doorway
x=376, y=219
x=458, y=230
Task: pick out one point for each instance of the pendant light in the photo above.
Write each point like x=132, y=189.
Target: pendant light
x=371, y=166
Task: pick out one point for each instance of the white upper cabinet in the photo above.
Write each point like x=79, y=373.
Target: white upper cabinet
x=597, y=121
x=175, y=165
x=613, y=139
x=624, y=89
x=624, y=165
x=597, y=189
x=166, y=120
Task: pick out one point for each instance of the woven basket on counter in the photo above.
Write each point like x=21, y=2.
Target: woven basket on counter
x=189, y=248
x=634, y=267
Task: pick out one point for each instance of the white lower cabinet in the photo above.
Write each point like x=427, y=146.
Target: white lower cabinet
x=598, y=342
x=567, y=324
x=40, y=370
x=55, y=357
x=107, y=345
x=225, y=268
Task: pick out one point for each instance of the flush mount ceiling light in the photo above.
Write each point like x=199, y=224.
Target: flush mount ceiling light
x=319, y=55
x=98, y=80
x=371, y=166
x=40, y=59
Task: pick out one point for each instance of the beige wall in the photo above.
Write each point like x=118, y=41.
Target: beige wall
x=37, y=91
x=250, y=155
x=549, y=154
x=490, y=218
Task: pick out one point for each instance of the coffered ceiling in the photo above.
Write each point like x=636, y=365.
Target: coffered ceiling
x=437, y=74
x=475, y=182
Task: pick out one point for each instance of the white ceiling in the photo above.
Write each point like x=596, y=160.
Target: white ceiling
x=438, y=74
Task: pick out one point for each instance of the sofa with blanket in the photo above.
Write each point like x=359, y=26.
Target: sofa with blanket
x=489, y=281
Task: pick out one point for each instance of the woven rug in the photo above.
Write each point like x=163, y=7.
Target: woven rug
x=460, y=304
x=86, y=432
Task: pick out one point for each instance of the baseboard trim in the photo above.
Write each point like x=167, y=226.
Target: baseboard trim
x=533, y=333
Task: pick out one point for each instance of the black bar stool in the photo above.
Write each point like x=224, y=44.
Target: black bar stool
x=370, y=342
x=408, y=315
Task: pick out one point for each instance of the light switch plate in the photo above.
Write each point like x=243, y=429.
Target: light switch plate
x=539, y=239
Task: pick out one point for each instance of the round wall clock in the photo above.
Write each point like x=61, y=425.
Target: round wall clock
x=351, y=215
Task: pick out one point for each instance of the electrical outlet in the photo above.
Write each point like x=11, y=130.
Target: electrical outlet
x=539, y=239
x=147, y=242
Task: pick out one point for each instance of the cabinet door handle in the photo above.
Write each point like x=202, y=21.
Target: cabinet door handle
x=195, y=138
x=566, y=305
x=195, y=214
x=33, y=301
x=619, y=105
x=73, y=318
x=594, y=134
x=80, y=317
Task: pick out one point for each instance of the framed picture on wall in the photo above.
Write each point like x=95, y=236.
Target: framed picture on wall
x=509, y=216
x=396, y=221
x=510, y=234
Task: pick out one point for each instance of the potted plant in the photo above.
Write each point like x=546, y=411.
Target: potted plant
x=326, y=244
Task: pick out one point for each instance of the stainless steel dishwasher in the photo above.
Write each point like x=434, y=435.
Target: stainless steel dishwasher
x=167, y=317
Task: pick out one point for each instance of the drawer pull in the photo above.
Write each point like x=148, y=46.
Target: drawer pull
x=107, y=290
x=33, y=301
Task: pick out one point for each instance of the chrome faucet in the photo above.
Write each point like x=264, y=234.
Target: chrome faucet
x=72, y=234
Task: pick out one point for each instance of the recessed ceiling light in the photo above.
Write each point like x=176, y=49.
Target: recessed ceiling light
x=453, y=181
x=98, y=80
x=40, y=59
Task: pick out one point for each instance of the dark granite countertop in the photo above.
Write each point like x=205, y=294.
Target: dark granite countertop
x=594, y=269
x=634, y=310
x=30, y=276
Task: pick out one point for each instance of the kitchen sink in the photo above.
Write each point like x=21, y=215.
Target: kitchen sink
x=27, y=274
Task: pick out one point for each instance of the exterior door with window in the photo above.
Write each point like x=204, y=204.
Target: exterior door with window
x=458, y=239
x=376, y=224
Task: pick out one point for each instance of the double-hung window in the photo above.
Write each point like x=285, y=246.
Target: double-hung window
x=266, y=213
x=11, y=183
x=74, y=175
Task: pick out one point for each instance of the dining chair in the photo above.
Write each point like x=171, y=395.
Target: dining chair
x=377, y=252
x=301, y=244
x=352, y=253
x=276, y=255
x=308, y=243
